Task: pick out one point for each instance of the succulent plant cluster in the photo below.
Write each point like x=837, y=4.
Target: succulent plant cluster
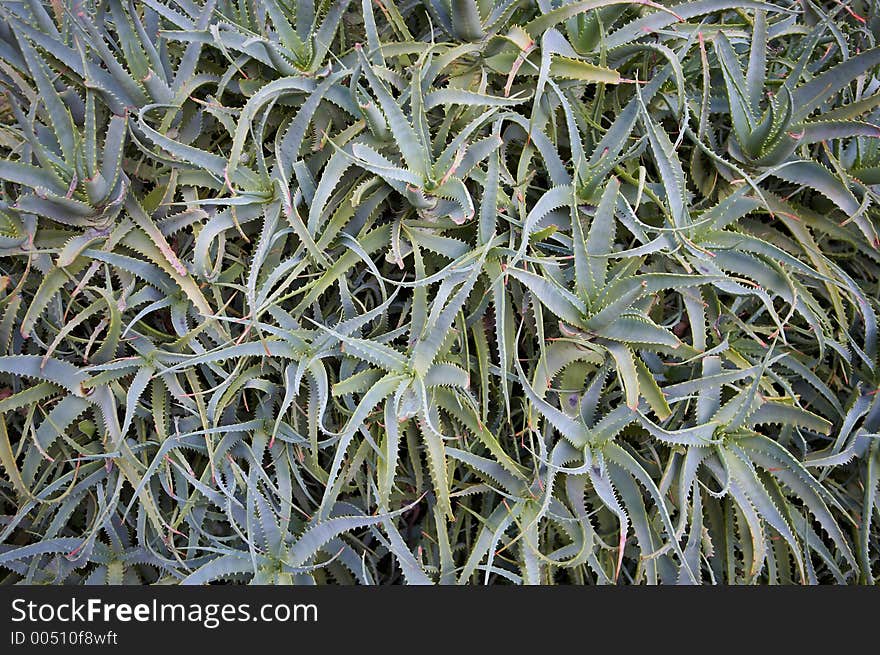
x=441, y=291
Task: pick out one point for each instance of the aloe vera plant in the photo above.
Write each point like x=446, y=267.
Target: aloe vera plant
x=441, y=292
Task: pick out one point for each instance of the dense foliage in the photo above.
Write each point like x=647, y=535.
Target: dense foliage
x=441, y=291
